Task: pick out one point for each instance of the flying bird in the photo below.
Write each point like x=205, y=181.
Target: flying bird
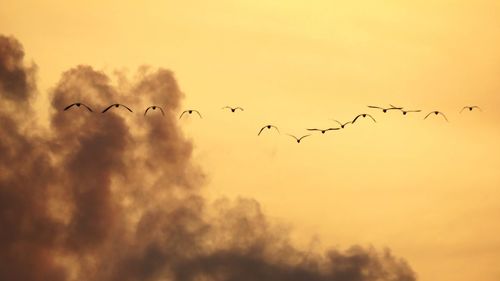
x=386, y=109
x=190, y=111
x=470, y=108
x=406, y=111
x=268, y=127
x=233, y=109
x=436, y=113
x=78, y=105
x=116, y=105
x=153, y=107
x=323, y=130
x=363, y=115
x=342, y=125
x=298, y=139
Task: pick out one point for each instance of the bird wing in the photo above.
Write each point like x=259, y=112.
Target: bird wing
x=332, y=129
x=87, y=107
x=69, y=106
x=463, y=108
x=147, y=110
x=372, y=106
x=417, y=110
x=428, y=115
x=227, y=107
x=314, y=129
x=276, y=129
x=293, y=136
x=395, y=107
x=161, y=109
x=475, y=106
x=198, y=113
x=126, y=107
x=262, y=129
x=182, y=113
x=444, y=116
x=354, y=120
x=338, y=122
x=305, y=136
x=107, y=108
x=371, y=118
x=240, y=108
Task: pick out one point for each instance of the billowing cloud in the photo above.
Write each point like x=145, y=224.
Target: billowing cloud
x=116, y=195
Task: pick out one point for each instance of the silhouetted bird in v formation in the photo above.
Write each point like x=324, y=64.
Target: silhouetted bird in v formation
x=268, y=127
x=154, y=107
x=298, y=139
x=342, y=125
x=386, y=109
x=190, y=111
x=77, y=105
x=363, y=115
x=323, y=130
x=233, y=109
x=436, y=113
x=116, y=105
x=470, y=108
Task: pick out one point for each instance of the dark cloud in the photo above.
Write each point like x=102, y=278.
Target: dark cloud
x=116, y=196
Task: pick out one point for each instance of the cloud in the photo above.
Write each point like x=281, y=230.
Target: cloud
x=116, y=196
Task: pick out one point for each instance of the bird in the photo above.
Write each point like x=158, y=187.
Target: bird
x=153, y=107
x=189, y=111
x=406, y=111
x=342, y=125
x=363, y=115
x=298, y=139
x=471, y=107
x=78, y=105
x=116, y=105
x=436, y=113
x=386, y=109
x=268, y=127
x=323, y=130
x=233, y=109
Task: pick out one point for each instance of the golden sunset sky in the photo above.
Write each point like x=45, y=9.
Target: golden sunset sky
x=428, y=190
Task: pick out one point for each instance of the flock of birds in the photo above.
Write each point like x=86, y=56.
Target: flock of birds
x=269, y=127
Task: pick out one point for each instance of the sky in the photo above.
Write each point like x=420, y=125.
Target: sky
x=426, y=189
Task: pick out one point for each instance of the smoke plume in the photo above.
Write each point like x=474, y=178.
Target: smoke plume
x=116, y=196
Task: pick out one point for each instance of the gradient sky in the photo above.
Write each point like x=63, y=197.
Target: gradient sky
x=428, y=190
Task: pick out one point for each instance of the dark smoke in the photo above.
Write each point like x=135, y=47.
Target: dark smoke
x=116, y=196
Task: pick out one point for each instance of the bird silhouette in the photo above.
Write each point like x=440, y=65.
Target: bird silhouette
x=436, y=113
x=154, y=107
x=189, y=111
x=323, y=130
x=470, y=108
x=342, y=125
x=78, y=105
x=233, y=109
x=363, y=115
x=268, y=127
x=386, y=109
x=116, y=105
x=298, y=139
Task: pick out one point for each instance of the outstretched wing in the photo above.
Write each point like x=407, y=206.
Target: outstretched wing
x=87, y=107
x=197, y=113
x=161, y=109
x=372, y=106
x=262, y=129
x=332, y=129
x=227, y=107
x=305, y=136
x=276, y=129
x=371, y=118
x=444, y=116
x=147, y=110
x=185, y=111
x=314, y=129
x=337, y=122
x=239, y=108
x=107, y=108
x=428, y=115
x=354, y=120
x=69, y=106
x=126, y=107
x=293, y=136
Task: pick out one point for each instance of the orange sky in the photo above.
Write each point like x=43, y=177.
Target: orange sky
x=429, y=190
